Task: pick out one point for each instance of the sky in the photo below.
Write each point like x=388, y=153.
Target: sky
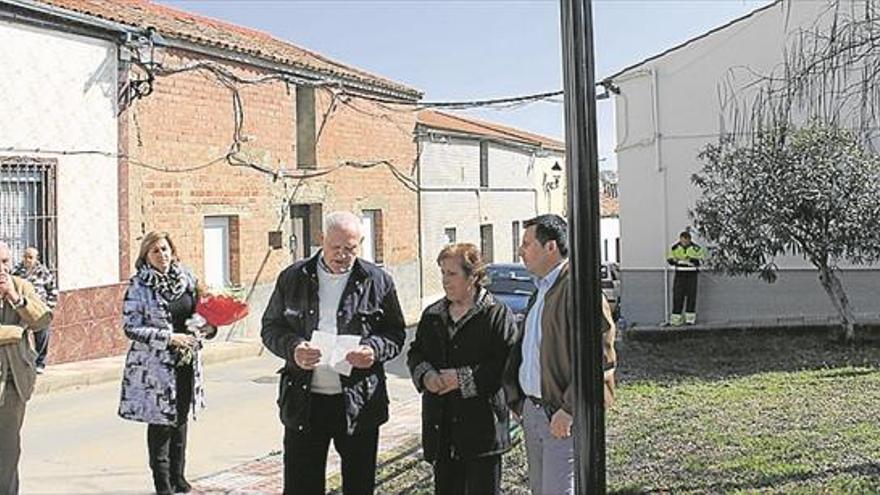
x=455, y=50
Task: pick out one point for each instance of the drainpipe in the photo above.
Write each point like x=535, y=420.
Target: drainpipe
x=419, y=223
x=658, y=163
x=654, y=139
x=664, y=186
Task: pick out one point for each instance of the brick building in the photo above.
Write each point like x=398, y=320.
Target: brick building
x=238, y=171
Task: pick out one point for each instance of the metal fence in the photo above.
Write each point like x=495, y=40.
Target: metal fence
x=28, y=207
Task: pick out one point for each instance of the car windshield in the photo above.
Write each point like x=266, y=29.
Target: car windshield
x=509, y=280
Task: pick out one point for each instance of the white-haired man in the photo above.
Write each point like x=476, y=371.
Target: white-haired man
x=21, y=311
x=333, y=292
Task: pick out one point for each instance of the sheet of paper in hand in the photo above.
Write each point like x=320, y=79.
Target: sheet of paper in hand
x=334, y=348
x=344, y=345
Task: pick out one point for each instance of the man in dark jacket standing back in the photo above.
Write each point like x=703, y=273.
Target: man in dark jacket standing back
x=338, y=294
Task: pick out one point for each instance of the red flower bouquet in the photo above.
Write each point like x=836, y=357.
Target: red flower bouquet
x=221, y=309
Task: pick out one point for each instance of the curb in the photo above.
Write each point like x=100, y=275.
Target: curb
x=96, y=371
x=657, y=333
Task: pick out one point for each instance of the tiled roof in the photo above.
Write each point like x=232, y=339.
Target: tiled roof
x=170, y=22
x=444, y=121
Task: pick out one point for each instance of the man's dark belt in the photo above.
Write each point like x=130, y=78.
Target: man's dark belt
x=536, y=401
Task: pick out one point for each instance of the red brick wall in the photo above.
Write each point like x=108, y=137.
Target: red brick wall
x=366, y=132
x=188, y=120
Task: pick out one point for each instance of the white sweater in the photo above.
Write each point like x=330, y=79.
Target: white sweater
x=330, y=288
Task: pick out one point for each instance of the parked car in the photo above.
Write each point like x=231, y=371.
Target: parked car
x=610, y=283
x=511, y=284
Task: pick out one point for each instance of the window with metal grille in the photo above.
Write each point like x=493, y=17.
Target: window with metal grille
x=28, y=208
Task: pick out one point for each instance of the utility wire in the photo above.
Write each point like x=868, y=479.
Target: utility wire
x=468, y=104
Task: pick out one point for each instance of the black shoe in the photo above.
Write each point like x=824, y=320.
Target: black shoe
x=182, y=486
x=162, y=486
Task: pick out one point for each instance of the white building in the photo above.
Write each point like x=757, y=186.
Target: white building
x=59, y=172
x=59, y=93
x=667, y=109
x=478, y=182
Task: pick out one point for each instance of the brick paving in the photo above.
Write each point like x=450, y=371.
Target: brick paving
x=265, y=475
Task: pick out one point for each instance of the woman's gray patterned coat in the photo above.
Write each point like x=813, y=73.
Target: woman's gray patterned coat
x=148, y=381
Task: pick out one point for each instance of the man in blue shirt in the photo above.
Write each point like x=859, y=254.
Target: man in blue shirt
x=538, y=375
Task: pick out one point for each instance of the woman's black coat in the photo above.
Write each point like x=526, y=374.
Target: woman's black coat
x=472, y=421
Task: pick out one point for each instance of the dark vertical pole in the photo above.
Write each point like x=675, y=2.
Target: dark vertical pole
x=583, y=208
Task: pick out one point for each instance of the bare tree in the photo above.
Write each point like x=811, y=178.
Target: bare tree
x=829, y=73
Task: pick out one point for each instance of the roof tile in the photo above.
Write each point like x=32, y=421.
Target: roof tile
x=211, y=32
x=457, y=123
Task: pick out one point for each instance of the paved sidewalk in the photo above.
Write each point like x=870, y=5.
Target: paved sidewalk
x=264, y=476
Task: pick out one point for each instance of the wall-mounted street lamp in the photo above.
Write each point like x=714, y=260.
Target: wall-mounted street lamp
x=552, y=181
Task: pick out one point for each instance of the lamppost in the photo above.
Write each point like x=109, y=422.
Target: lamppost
x=583, y=213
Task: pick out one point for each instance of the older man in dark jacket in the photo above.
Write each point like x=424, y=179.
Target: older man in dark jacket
x=336, y=293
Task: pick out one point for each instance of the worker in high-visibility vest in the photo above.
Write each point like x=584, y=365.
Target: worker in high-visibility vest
x=685, y=256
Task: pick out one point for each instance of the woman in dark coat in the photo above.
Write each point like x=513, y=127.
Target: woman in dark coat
x=456, y=361
x=162, y=378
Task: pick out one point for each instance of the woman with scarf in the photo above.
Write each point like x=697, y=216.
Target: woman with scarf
x=162, y=379
x=456, y=362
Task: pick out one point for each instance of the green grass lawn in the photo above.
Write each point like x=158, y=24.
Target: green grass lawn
x=740, y=414
x=812, y=431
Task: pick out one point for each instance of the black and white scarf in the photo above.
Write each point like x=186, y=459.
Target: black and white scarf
x=170, y=285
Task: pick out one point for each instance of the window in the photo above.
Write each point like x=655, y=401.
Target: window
x=449, y=233
x=216, y=251
x=617, y=249
x=371, y=250
x=484, y=164
x=306, y=223
x=610, y=189
x=605, y=249
x=28, y=207
x=486, y=243
x=515, y=233
x=306, y=156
